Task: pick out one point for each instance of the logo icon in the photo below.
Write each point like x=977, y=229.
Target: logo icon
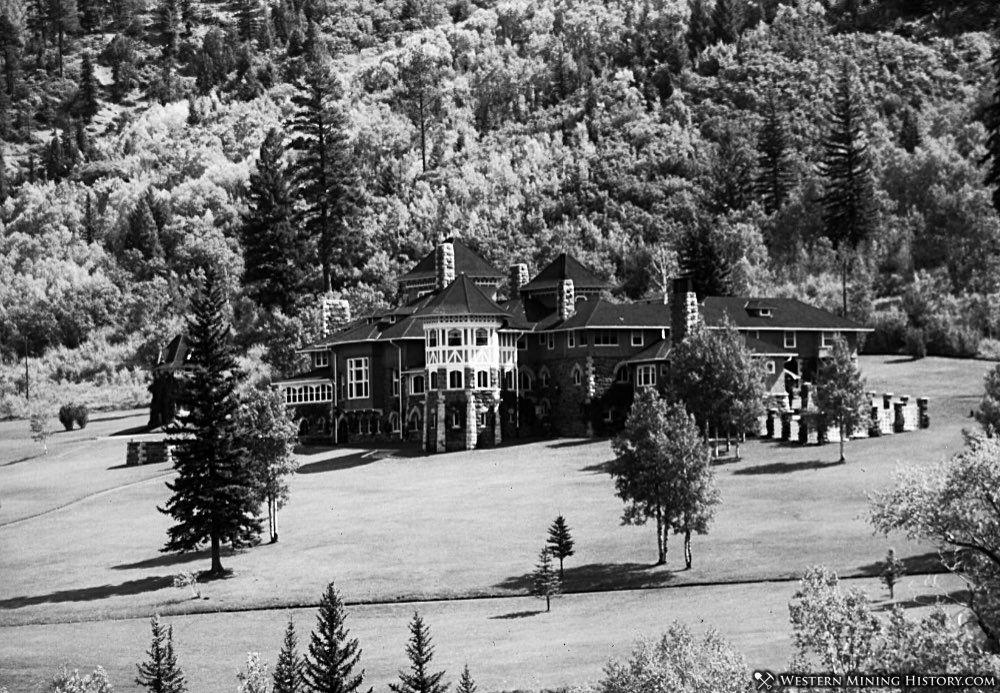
x=764, y=680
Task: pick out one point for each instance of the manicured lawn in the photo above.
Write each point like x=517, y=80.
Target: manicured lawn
x=508, y=643
x=387, y=526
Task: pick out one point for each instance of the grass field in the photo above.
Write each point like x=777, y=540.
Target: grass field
x=79, y=537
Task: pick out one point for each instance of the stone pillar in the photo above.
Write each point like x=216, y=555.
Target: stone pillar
x=471, y=421
x=335, y=313
x=786, y=425
x=497, y=424
x=565, y=299
x=898, y=418
x=517, y=276
x=923, y=407
x=444, y=264
x=806, y=393
x=441, y=429
x=683, y=309
x=769, y=424
x=887, y=400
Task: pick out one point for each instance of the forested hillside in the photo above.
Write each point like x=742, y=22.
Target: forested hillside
x=311, y=144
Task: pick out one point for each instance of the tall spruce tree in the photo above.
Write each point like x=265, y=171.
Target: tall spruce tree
x=560, y=542
x=729, y=20
x=86, y=101
x=142, y=232
x=288, y=670
x=466, y=684
x=420, y=652
x=169, y=24
x=333, y=655
x=327, y=179
x=89, y=219
x=992, y=122
x=545, y=582
x=160, y=673
x=699, y=34
x=64, y=18
x=274, y=249
x=4, y=180
x=849, y=197
x=214, y=494
x=709, y=269
x=247, y=20
x=774, y=177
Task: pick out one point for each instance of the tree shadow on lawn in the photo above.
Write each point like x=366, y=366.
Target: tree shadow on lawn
x=86, y=594
x=598, y=468
x=922, y=564
x=164, y=560
x=516, y=614
x=575, y=443
x=785, y=467
x=599, y=576
x=959, y=596
x=134, y=431
x=336, y=464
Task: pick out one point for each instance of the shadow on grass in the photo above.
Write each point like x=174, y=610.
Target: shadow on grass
x=959, y=596
x=929, y=562
x=164, y=560
x=599, y=576
x=574, y=443
x=516, y=614
x=119, y=417
x=336, y=464
x=598, y=468
x=86, y=594
x=134, y=431
x=19, y=460
x=785, y=467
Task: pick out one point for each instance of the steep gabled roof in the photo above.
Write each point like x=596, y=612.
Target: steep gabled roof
x=175, y=356
x=462, y=297
x=466, y=261
x=786, y=313
x=657, y=351
x=565, y=266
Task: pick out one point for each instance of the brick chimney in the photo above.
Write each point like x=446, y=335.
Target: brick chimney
x=683, y=309
x=444, y=264
x=565, y=299
x=336, y=312
x=517, y=276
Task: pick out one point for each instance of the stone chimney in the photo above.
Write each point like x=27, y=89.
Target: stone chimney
x=517, y=276
x=565, y=299
x=336, y=312
x=683, y=309
x=444, y=264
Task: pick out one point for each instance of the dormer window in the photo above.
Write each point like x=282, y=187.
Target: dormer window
x=764, y=312
x=321, y=359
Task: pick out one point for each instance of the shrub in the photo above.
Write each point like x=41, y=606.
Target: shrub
x=916, y=343
x=989, y=349
x=66, y=416
x=890, y=332
x=81, y=415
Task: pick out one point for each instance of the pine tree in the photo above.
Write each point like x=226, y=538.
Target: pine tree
x=420, y=651
x=87, y=105
x=274, y=249
x=699, y=35
x=992, y=122
x=333, y=655
x=288, y=670
x=142, y=233
x=56, y=165
x=774, y=179
x=729, y=19
x=545, y=581
x=89, y=220
x=710, y=271
x=909, y=130
x=4, y=181
x=169, y=24
x=247, y=12
x=327, y=180
x=65, y=19
x=11, y=48
x=466, y=684
x=560, y=542
x=160, y=673
x=849, y=197
x=214, y=493
x=81, y=140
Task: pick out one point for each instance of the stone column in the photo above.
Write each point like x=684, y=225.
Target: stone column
x=497, y=426
x=471, y=421
x=441, y=429
x=923, y=406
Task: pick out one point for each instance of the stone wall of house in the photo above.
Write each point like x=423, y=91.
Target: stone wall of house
x=148, y=452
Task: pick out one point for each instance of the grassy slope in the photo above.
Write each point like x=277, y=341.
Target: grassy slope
x=376, y=525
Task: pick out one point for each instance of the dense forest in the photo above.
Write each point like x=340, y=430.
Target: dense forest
x=829, y=150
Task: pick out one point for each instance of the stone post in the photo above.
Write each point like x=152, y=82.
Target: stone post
x=923, y=406
x=441, y=430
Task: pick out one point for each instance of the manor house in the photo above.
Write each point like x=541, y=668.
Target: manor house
x=457, y=366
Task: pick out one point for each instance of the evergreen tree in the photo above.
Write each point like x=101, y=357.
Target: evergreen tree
x=333, y=655
x=160, y=673
x=86, y=103
x=729, y=19
x=731, y=185
x=466, y=684
x=288, y=670
x=81, y=140
x=909, y=130
x=840, y=391
x=56, y=164
x=247, y=18
x=545, y=582
x=89, y=220
x=64, y=17
x=214, y=493
x=849, y=196
x=275, y=251
x=11, y=48
x=560, y=542
x=142, y=233
x=992, y=122
x=168, y=22
x=4, y=181
x=699, y=35
x=420, y=652
x=327, y=180
x=774, y=179
x=710, y=271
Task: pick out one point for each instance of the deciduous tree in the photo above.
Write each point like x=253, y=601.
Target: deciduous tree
x=840, y=390
x=988, y=414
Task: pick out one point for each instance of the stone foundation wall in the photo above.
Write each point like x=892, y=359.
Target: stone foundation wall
x=148, y=452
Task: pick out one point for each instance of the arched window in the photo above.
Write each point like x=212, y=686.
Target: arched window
x=432, y=338
x=415, y=420
x=544, y=409
x=622, y=375
x=455, y=379
x=577, y=375
x=434, y=380
x=482, y=379
x=525, y=380
x=454, y=338
x=418, y=384
x=482, y=337
x=543, y=376
x=508, y=380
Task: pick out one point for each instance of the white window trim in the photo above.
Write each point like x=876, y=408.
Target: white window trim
x=770, y=368
x=395, y=382
x=645, y=376
x=571, y=339
x=358, y=388
x=828, y=339
x=461, y=374
x=605, y=333
x=793, y=343
x=321, y=359
x=551, y=340
x=641, y=341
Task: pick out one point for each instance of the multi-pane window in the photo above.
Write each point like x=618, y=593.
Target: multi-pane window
x=454, y=338
x=571, y=339
x=418, y=384
x=577, y=375
x=432, y=338
x=605, y=338
x=829, y=338
x=789, y=340
x=455, y=380
x=637, y=338
x=395, y=382
x=645, y=376
x=357, y=378
x=482, y=337
x=321, y=359
x=482, y=379
x=622, y=375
